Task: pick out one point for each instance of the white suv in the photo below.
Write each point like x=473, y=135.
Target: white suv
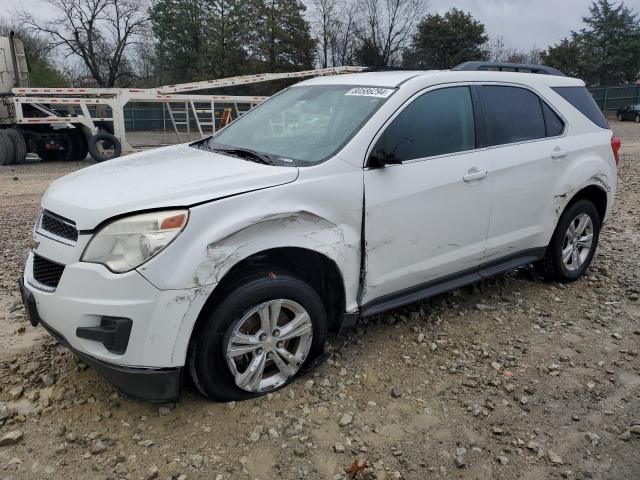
x=339, y=197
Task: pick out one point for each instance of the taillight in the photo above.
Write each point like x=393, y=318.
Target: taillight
x=615, y=146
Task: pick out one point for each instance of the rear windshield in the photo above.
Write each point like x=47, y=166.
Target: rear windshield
x=580, y=98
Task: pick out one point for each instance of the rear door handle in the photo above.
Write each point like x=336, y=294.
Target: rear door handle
x=475, y=174
x=559, y=153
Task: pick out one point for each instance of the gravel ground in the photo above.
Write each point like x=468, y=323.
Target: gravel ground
x=509, y=378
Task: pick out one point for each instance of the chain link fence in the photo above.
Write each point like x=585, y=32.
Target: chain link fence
x=613, y=97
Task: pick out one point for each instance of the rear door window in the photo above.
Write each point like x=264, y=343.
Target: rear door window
x=582, y=100
x=511, y=114
x=436, y=123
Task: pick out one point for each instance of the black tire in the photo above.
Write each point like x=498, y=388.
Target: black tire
x=7, y=155
x=95, y=152
x=80, y=144
x=19, y=145
x=552, y=265
x=206, y=360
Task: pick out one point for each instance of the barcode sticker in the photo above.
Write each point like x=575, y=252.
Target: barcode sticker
x=370, y=92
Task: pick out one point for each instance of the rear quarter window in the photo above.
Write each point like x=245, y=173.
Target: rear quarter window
x=582, y=100
x=554, y=125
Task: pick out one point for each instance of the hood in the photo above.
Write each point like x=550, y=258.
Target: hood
x=174, y=176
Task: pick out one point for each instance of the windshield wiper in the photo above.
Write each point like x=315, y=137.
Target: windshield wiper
x=246, y=153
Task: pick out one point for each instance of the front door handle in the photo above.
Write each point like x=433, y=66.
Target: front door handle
x=475, y=174
x=559, y=153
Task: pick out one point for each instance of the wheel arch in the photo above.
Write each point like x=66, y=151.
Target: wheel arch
x=595, y=193
x=318, y=270
x=301, y=242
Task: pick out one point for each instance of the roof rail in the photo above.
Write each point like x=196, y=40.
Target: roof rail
x=508, y=67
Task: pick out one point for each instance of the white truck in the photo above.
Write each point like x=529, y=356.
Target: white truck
x=14, y=72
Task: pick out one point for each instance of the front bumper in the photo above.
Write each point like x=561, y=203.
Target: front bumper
x=87, y=295
x=156, y=385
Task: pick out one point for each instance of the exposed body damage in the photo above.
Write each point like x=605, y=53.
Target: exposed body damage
x=599, y=180
x=303, y=228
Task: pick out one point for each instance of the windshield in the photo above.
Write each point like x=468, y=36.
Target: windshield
x=302, y=125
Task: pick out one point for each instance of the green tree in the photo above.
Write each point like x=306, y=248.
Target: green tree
x=367, y=53
x=565, y=56
x=202, y=39
x=606, y=51
x=443, y=41
x=179, y=29
x=281, y=36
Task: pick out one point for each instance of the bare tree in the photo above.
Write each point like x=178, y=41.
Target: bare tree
x=334, y=22
x=98, y=32
x=344, y=42
x=497, y=49
x=534, y=55
x=325, y=14
x=500, y=51
x=386, y=27
x=143, y=62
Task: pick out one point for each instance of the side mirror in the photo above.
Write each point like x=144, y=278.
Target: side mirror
x=379, y=158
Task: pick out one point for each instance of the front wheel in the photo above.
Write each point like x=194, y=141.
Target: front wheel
x=268, y=326
x=573, y=244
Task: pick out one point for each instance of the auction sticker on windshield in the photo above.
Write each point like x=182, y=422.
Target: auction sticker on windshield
x=370, y=92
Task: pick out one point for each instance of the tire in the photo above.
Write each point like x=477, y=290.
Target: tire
x=207, y=360
x=95, y=152
x=80, y=145
x=7, y=154
x=19, y=145
x=553, y=266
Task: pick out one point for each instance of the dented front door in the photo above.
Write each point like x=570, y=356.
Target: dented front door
x=427, y=217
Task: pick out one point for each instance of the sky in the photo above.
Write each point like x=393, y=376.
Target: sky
x=522, y=23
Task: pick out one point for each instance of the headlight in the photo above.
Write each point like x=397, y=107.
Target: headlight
x=127, y=243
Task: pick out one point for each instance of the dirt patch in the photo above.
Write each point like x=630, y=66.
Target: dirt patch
x=509, y=378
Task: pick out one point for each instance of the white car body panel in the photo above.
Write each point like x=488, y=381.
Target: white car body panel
x=165, y=177
x=422, y=222
x=409, y=242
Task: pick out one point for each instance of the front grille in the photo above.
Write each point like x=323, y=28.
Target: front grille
x=46, y=272
x=59, y=226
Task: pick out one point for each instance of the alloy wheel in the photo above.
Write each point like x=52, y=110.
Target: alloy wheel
x=577, y=242
x=268, y=345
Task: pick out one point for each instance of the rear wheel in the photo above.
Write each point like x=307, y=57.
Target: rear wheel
x=19, y=145
x=80, y=144
x=258, y=338
x=573, y=244
x=7, y=155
